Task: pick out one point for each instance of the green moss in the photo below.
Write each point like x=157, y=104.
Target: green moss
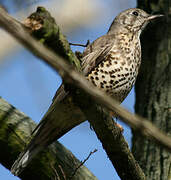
x=50, y=35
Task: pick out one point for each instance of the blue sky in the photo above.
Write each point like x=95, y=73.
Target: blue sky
x=29, y=85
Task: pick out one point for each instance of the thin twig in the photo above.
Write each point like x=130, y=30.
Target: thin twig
x=82, y=163
x=83, y=45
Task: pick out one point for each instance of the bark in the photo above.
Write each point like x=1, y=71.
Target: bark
x=153, y=91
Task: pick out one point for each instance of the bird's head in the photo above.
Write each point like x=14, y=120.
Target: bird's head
x=133, y=20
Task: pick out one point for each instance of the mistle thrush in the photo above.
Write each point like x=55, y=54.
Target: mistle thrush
x=111, y=63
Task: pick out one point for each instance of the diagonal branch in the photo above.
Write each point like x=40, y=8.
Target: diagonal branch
x=105, y=124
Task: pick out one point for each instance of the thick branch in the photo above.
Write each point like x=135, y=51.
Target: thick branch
x=15, y=130
x=42, y=26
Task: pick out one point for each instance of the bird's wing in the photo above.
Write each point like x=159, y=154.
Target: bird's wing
x=96, y=52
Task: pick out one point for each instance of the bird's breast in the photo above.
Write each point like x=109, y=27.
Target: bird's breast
x=116, y=74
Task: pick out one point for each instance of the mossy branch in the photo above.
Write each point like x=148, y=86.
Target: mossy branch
x=15, y=131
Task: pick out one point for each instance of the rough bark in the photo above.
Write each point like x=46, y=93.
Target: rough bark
x=153, y=91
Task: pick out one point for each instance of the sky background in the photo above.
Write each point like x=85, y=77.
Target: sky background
x=29, y=85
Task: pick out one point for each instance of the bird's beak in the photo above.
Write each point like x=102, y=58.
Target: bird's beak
x=151, y=17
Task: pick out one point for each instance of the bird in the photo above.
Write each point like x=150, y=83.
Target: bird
x=110, y=63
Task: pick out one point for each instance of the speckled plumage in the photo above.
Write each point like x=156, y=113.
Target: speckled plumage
x=112, y=61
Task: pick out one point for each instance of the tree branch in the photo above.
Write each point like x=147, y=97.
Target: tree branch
x=112, y=134
x=15, y=131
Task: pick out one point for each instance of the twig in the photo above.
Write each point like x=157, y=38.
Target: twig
x=82, y=163
x=83, y=45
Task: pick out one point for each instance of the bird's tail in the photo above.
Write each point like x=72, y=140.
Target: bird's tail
x=59, y=119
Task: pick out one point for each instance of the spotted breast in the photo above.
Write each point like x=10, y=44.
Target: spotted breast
x=117, y=70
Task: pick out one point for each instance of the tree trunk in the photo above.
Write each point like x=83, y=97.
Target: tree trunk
x=153, y=91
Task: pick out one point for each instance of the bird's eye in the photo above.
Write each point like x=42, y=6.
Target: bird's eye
x=135, y=13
